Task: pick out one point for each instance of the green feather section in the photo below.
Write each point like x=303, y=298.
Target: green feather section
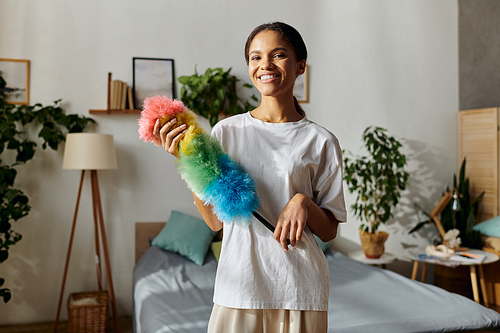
x=199, y=162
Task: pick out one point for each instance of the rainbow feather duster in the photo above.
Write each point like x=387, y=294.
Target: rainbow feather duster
x=202, y=163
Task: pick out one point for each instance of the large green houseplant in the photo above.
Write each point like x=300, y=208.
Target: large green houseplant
x=212, y=93
x=14, y=124
x=377, y=180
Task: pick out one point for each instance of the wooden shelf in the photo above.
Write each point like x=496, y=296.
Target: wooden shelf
x=113, y=111
x=105, y=111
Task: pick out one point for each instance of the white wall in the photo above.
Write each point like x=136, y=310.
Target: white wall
x=389, y=63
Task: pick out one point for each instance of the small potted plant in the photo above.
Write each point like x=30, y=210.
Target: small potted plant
x=378, y=180
x=214, y=93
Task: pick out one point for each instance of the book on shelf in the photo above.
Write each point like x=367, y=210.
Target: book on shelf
x=121, y=96
x=115, y=93
x=130, y=98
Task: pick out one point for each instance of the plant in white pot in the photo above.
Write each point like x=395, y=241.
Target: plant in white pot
x=377, y=180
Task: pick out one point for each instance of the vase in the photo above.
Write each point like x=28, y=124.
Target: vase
x=373, y=243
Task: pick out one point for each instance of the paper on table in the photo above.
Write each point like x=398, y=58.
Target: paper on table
x=468, y=257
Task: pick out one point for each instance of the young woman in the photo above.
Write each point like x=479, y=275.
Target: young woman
x=263, y=284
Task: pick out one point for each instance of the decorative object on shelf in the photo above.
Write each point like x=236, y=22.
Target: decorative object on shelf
x=458, y=214
x=17, y=73
x=91, y=151
x=119, y=96
x=378, y=180
x=301, y=87
x=213, y=93
x=152, y=76
x=15, y=143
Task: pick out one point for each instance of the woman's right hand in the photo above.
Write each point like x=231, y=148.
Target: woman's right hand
x=170, y=137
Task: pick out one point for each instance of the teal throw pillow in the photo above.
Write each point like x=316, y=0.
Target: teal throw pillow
x=490, y=227
x=186, y=235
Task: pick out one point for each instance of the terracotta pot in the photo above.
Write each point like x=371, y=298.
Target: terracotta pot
x=373, y=244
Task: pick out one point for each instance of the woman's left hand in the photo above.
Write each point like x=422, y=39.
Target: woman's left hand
x=292, y=220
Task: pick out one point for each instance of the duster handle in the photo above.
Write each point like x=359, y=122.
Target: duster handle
x=267, y=224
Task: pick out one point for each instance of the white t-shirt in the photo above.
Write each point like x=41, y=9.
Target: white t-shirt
x=254, y=271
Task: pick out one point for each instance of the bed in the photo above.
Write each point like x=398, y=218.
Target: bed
x=173, y=294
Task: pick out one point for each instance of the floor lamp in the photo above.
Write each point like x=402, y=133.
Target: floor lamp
x=90, y=151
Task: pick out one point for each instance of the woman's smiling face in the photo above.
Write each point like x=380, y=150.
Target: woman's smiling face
x=272, y=64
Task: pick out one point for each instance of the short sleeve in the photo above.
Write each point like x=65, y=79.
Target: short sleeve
x=329, y=192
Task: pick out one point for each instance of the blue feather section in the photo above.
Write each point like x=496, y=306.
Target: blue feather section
x=232, y=195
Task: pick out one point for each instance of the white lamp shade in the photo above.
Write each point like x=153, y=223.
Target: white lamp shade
x=89, y=151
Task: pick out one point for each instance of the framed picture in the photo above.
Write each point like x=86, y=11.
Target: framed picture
x=301, y=88
x=16, y=74
x=152, y=76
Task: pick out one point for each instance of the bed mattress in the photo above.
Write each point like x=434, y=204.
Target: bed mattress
x=172, y=294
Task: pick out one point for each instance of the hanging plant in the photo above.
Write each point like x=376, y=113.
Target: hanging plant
x=14, y=120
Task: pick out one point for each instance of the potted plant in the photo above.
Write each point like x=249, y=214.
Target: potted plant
x=14, y=204
x=378, y=180
x=213, y=93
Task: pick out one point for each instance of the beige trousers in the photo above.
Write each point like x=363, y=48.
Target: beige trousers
x=228, y=320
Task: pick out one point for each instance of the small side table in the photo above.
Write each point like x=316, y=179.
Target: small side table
x=489, y=258
x=385, y=259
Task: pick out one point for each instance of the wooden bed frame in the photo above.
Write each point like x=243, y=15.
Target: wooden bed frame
x=144, y=231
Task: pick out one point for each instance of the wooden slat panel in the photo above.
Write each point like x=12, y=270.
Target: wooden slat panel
x=478, y=142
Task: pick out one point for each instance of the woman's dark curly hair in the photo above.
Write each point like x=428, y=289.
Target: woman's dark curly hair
x=287, y=32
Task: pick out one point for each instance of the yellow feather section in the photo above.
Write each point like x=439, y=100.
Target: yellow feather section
x=187, y=117
x=184, y=145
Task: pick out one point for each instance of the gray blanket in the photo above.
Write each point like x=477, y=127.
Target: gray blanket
x=172, y=294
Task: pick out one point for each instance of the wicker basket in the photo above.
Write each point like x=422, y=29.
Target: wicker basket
x=88, y=317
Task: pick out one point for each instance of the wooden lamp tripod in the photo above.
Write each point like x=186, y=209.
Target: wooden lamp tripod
x=91, y=151
x=445, y=199
x=434, y=218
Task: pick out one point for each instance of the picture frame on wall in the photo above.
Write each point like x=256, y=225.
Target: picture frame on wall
x=301, y=87
x=151, y=77
x=16, y=73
